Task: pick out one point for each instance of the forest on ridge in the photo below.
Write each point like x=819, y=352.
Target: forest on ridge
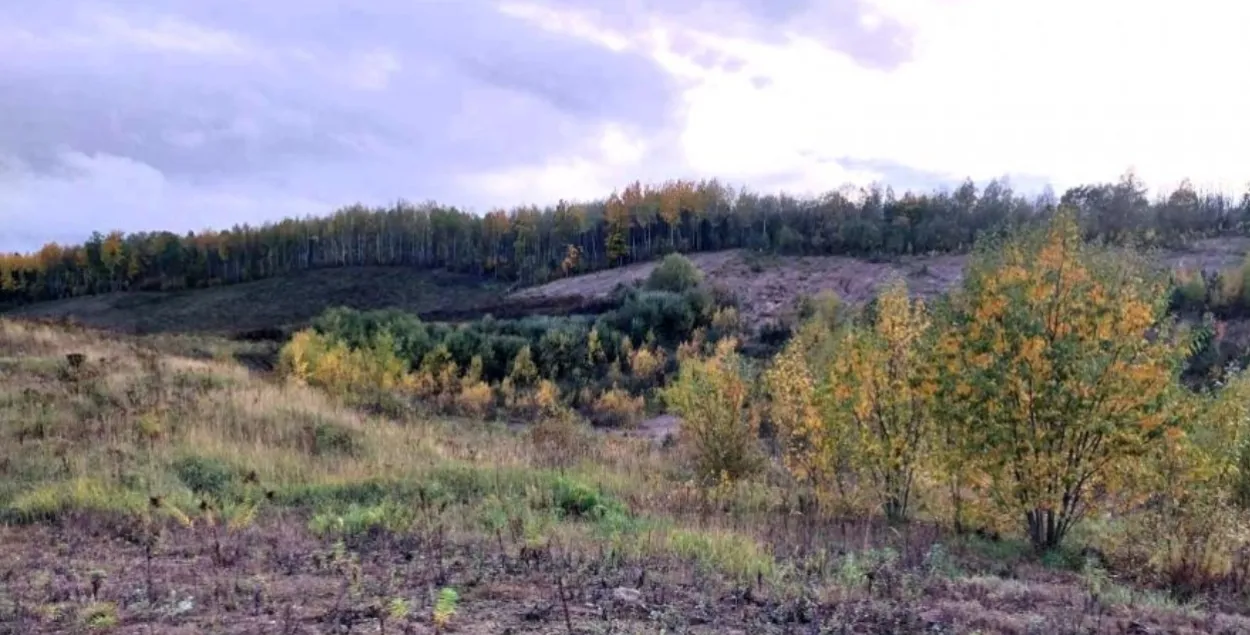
x=531, y=245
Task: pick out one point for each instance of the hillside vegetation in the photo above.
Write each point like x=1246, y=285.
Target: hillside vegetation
x=639, y=223
x=1047, y=431
x=144, y=490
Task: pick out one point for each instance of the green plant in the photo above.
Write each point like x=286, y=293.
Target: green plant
x=358, y=520
x=675, y=273
x=445, y=607
x=99, y=615
x=397, y=609
x=720, y=421
x=578, y=500
x=203, y=475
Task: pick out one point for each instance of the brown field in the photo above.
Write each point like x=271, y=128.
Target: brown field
x=275, y=577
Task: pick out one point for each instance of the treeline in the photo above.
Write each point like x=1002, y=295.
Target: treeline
x=532, y=244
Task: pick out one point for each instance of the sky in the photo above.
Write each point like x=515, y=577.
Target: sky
x=183, y=114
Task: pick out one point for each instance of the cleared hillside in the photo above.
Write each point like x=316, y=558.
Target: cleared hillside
x=770, y=287
x=281, y=302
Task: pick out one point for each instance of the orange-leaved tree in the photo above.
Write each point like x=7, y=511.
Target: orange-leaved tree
x=1059, y=370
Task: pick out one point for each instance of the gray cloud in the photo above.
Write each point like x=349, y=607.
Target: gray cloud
x=184, y=114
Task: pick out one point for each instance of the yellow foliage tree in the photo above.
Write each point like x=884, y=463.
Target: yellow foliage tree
x=1058, y=371
x=873, y=415
x=617, y=408
x=1194, y=526
x=476, y=397
x=812, y=452
x=646, y=362
x=437, y=374
x=572, y=259
x=524, y=372
x=720, y=424
x=317, y=360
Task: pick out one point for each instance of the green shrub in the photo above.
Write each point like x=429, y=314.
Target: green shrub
x=332, y=439
x=675, y=273
x=203, y=475
x=579, y=500
x=359, y=520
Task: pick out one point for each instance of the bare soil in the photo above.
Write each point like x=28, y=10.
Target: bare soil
x=276, y=578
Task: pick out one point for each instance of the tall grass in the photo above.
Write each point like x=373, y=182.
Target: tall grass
x=99, y=425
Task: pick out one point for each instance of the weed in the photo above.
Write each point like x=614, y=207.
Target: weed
x=99, y=615
x=445, y=607
x=204, y=475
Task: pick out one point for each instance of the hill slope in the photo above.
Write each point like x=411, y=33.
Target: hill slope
x=769, y=288
x=281, y=302
x=147, y=492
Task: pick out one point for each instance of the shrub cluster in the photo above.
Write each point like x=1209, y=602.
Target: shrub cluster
x=1045, y=387
x=603, y=363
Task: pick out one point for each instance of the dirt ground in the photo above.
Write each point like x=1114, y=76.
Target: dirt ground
x=276, y=578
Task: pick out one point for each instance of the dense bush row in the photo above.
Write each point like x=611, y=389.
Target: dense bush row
x=530, y=245
x=605, y=362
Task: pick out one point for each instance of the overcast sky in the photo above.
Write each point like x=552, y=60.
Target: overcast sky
x=184, y=114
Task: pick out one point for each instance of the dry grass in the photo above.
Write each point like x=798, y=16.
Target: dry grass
x=320, y=517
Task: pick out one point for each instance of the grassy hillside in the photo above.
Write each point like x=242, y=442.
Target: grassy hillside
x=147, y=491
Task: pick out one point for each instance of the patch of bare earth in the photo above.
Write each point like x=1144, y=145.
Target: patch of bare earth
x=276, y=578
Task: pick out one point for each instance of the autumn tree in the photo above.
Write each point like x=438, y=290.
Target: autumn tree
x=872, y=415
x=616, y=215
x=529, y=244
x=572, y=258
x=815, y=454
x=1059, y=371
x=1194, y=528
x=720, y=423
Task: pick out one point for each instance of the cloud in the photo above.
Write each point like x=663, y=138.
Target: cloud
x=182, y=114
x=121, y=185
x=1062, y=91
x=263, y=108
